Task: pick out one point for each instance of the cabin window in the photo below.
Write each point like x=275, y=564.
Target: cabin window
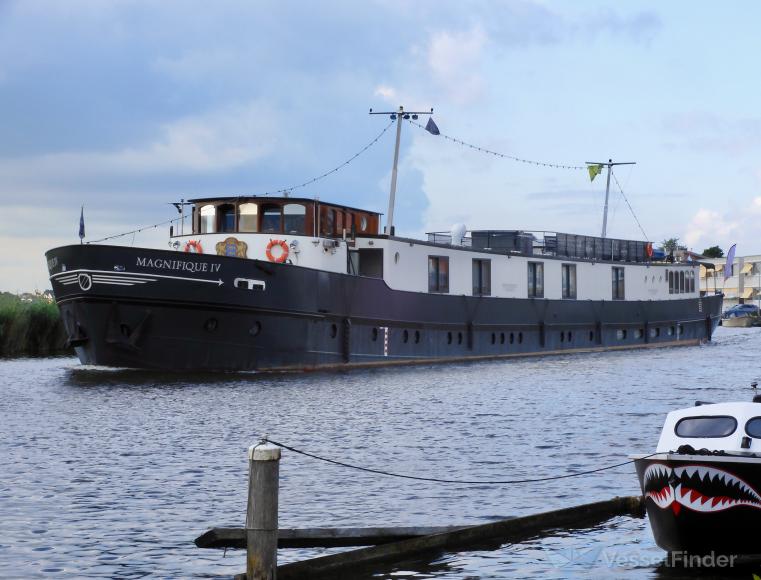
x=294, y=216
x=271, y=219
x=618, y=283
x=248, y=214
x=681, y=282
x=438, y=274
x=670, y=275
x=568, y=274
x=692, y=282
x=363, y=223
x=349, y=222
x=753, y=427
x=535, y=280
x=208, y=219
x=226, y=214
x=715, y=426
x=481, y=277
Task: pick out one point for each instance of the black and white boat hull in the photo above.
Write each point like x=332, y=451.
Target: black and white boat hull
x=703, y=504
x=162, y=309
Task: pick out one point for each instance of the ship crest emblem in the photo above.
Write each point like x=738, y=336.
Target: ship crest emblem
x=232, y=247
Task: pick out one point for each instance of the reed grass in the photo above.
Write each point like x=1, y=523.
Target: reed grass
x=30, y=328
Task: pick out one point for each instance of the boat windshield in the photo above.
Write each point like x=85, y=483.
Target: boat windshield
x=715, y=426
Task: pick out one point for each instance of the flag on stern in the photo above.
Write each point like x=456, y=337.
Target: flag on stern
x=431, y=127
x=594, y=171
x=82, y=223
x=729, y=266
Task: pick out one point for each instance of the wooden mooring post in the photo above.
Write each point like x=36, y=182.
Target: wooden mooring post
x=261, y=513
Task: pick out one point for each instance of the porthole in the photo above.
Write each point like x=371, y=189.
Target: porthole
x=459, y=338
x=493, y=338
x=569, y=336
x=679, y=330
x=591, y=335
x=670, y=331
x=375, y=334
x=406, y=336
x=620, y=334
x=417, y=336
x=520, y=338
x=655, y=332
x=255, y=329
x=501, y=338
x=638, y=333
x=211, y=325
x=512, y=338
x=125, y=330
x=562, y=336
x=333, y=331
x=449, y=338
x=396, y=258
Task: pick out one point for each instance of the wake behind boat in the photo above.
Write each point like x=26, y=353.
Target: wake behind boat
x=261, y=283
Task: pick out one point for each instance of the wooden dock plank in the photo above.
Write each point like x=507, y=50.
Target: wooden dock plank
x=321, y=537
x=347, y=564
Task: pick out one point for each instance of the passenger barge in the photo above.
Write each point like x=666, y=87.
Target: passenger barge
x=294, y=283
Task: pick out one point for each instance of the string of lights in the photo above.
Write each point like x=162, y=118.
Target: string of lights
x=286, y=190
x=502, y=155
x=137, y=231
x=631, y=209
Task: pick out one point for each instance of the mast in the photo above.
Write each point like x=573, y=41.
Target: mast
x=609, y=165
x=396, y=116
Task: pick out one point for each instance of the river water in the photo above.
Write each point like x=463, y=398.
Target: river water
x=113, y=473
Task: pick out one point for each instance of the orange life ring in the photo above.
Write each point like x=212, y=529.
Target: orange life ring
x=283, y=251
x=649, y=250
x=194, y=247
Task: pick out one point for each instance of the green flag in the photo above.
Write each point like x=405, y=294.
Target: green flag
x=594, y=171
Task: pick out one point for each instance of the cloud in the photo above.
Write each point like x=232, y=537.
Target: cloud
x=454, y=60
x=216, y=141
x=704, y=131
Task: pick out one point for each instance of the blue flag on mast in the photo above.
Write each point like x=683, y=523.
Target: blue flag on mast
x=431, y=127
x=82, y=223
x=729, y=266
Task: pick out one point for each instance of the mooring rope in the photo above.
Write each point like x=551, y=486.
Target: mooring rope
x=455, y=481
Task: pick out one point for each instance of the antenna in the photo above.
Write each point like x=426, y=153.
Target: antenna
x=609, y=165
x=397, y=116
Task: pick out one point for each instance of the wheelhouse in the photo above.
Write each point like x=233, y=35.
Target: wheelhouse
x=286, y=216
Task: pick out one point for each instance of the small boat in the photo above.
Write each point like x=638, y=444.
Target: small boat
x=702, y=487
x=741, y=316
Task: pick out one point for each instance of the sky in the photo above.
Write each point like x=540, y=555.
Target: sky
x=125, y=106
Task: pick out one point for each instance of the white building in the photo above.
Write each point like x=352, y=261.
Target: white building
x=744, y=284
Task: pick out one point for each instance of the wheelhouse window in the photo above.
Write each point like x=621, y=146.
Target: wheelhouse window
x=294, y=218
x=248, y=215
x=208, y=219
x=271, y=219
x=670, y=274
x=481, y=277
x=618, y=283
x=438, y=274
x=226, y=214
x=568, y=274
x=535, y=280
x=716, y=426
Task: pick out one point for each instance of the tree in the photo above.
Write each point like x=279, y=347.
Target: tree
x=713, y=252
x=670, y=245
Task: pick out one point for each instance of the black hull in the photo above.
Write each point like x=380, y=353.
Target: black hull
x=159, y=309
x=713, y=513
